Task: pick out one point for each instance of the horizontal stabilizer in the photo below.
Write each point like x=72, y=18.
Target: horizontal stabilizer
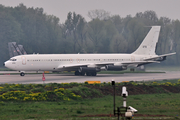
x=160, y=57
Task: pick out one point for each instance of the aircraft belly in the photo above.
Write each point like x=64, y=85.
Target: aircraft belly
x=69, y=69
x=38, y=67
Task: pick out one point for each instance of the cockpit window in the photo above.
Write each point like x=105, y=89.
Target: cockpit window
x=12, y=59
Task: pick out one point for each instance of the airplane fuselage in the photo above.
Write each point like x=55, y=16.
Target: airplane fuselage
x=56, y=62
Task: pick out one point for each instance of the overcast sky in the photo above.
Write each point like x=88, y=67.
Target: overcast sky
x=60, y=8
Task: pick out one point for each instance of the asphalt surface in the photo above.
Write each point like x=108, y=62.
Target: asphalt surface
x=9, y=78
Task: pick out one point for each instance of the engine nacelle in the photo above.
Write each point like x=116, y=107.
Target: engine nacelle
x=89, y=69
x=161, y=58
x=115, y=68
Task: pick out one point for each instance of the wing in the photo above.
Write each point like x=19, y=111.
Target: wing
x=70, y=67
x=74, y=67
x=138, y=63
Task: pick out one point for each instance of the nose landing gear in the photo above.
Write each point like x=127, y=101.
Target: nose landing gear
x=22, y=74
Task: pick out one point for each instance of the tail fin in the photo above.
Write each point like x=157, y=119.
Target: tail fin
x=15, y=49
x=148, y=45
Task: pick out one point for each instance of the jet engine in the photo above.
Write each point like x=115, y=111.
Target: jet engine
x=162, y=58
x=115, y=68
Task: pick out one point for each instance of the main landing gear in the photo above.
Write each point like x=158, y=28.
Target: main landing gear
x=77, y=73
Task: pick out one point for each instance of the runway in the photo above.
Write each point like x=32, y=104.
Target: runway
x=67, y=78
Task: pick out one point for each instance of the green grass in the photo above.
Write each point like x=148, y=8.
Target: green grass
x=163, y=68
x=122, y=72
x=93, y=101
x=161, y=104
x=156, y=104
x=160, y=81
x=5, y=69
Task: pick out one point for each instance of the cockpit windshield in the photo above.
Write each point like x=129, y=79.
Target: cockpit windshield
x=12, y=59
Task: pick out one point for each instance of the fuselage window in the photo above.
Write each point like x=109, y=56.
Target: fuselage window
x=12, y=60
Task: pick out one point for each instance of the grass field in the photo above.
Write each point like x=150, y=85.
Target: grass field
x=156, y=104
x=59, y=101
x=162, y=68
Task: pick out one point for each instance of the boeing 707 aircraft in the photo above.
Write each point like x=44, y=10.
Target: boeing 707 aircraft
x=90, y=64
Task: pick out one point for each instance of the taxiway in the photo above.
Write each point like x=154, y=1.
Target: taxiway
x=67, y=78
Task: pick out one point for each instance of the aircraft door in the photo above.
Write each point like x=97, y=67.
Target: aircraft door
x=132, y=58
x=23, y=60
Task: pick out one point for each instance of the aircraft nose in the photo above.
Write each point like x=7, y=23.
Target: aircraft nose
x=3, y=64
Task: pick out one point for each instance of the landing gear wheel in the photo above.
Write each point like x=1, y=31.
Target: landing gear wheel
x=91, y=73
x=94, y=74
x=77, y=73
x=88, y=73
x=82, y=73
x=22, y=74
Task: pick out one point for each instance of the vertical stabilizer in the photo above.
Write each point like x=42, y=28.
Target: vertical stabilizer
x=15, y=49
x=148, y=45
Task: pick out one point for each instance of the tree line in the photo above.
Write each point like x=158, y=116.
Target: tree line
x=104, y=33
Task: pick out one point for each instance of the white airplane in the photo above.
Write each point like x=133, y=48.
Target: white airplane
x=90, y=64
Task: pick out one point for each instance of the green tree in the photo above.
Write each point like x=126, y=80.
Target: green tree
x=99, y=14
x=10, y=31
x=96, y=33
x=75, y=30
x=176, y=39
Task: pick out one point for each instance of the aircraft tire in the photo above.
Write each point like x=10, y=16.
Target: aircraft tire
x=88, y=73
x=91, y=73
x=77, y=73
x=82, y=73
x=94, y=74
x=22, y=74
